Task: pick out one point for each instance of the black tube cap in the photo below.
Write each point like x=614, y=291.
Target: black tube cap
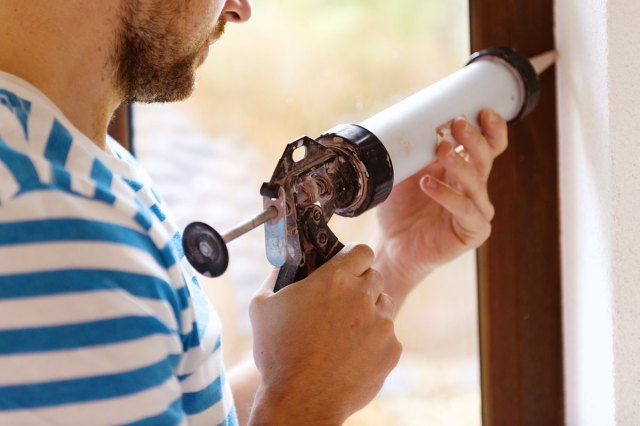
x=526, y=71
x=367, y=150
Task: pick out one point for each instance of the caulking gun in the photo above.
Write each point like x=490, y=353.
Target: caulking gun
x=353, y=168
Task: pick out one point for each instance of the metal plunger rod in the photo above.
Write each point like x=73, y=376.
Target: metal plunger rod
x=243, y=228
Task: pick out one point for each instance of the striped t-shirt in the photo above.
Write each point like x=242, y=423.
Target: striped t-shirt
x=102, y=321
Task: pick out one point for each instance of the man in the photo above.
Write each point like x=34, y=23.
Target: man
x=101, y=319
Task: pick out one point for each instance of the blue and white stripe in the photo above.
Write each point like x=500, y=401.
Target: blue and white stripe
x=101, y=319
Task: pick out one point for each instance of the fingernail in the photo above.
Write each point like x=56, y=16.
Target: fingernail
x=430, y=182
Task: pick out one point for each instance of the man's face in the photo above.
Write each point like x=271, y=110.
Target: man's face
x=161, y=43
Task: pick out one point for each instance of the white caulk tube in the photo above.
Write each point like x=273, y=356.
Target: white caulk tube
x=401, y=140
x=498, y=78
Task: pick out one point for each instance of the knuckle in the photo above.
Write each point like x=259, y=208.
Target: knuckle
x=479, y=186
x=386, y=310
x=468, y=208
x=462, y=130
x=484, y=233
x=363, y=250
x=487, y=231
x=491, y=212
x=373, y=278
x=338, y=275
x=386, y=300
x=338, y=279
x=387, y=327
x=502, y=139
x=502, y=144
x=485, y=159
x=495, y=128
x=362, y=303
x=393, y=351
x=358, y=252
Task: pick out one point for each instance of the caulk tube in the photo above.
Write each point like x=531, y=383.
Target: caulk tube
x=498, y=78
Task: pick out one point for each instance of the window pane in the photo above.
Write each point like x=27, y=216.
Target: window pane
x=300, y=67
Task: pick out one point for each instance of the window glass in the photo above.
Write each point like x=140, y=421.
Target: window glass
x=298, y=68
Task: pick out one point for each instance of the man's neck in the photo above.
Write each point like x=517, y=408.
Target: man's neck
x=51, y=50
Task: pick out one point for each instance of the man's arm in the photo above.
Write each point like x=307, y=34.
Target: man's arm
x=88, y=328
x=443, y=210
x=429, y=220
x=244, y=379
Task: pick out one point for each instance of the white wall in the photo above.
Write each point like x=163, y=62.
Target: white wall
x=599, y=127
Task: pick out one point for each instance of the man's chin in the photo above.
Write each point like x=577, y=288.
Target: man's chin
x=164, y=94
x=151, y=84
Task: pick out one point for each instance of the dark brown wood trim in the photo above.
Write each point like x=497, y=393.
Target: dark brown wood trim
x=120, y=127
x=519, y=267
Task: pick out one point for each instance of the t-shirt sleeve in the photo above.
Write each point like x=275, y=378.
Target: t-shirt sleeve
x=89, y=319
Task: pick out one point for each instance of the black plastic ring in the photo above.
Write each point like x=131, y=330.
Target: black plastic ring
x=372, y=153
x=526, y=71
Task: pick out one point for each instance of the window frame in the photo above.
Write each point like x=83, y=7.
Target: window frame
x=121, y=126
x=519, y=269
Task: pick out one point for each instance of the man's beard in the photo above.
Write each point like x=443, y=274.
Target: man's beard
x=151, y=64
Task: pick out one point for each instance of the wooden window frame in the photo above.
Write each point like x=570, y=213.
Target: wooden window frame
x=519, y=277
x=121, y=127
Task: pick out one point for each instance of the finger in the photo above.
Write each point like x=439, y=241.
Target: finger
x=495, y=130
x=473, y=224
x=266, y=288
x=480, y=152
x=354, y=258
x=434, y=169
x=399, y=191
x=467, y=180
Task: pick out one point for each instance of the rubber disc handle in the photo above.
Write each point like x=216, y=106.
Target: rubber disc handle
x=205, y=249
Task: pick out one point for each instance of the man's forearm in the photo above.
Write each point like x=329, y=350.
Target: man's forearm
x=282, y=408
x=244, y=380
x=258, y=407
x=398, y=284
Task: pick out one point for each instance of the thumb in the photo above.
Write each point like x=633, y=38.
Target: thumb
x=266, y=288
x=354, y=258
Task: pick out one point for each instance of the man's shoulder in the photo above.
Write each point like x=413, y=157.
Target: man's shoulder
x=34, y=144
x=45, y=167
x=30, y=183
x=18, y=106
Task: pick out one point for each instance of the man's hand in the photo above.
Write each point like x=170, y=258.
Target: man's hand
x=441, y=211
x=323, y=345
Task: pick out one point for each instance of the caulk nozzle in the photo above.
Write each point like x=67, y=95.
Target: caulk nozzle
x=543, y=61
